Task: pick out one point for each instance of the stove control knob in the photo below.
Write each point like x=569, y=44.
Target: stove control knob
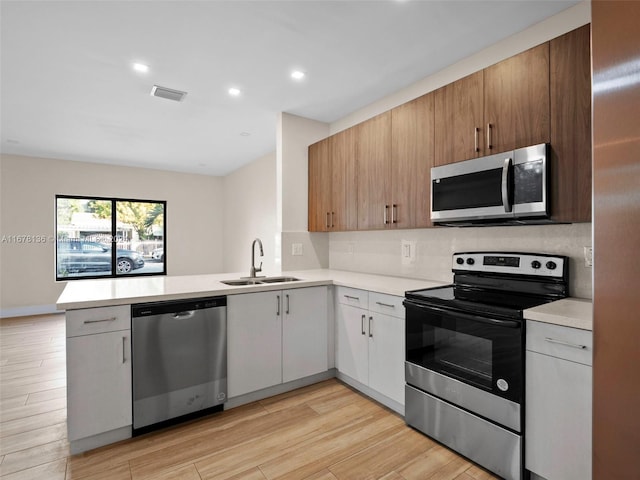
x=470, y=261
x=536, y=264
x=459, y=261
x=551, y=265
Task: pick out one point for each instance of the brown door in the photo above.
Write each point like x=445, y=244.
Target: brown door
x=319, y=187
x=344, y=186
x=570, y=89
x=374, y=172
x=459, y=114
x=616, y=225
x=516, y=101
x=412, y=138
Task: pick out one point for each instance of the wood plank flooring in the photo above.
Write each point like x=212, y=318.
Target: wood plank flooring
x=325, y=431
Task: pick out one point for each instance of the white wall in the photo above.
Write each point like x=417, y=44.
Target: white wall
x=27, y=193
x=250, y=212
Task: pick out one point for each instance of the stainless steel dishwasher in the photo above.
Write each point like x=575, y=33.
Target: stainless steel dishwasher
x=179, y=357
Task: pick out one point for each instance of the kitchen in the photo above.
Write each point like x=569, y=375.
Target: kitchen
x=244, y=192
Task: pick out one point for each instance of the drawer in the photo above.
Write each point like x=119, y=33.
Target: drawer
x=353, y=297
x=562, y=342
x=88, y=321
x=386, y=304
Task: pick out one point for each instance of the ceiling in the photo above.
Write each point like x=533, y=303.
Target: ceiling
x=68, y=89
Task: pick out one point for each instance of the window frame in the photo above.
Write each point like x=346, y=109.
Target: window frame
x=114, y=243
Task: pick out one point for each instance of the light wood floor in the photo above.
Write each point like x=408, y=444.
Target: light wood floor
x=323, y=432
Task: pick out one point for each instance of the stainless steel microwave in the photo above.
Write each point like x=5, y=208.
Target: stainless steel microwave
x=509, y=187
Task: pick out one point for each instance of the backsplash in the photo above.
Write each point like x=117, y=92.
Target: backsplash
x=380, y=251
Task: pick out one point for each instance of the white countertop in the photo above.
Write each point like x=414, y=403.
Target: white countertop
x=568, y=312
x=123, y=291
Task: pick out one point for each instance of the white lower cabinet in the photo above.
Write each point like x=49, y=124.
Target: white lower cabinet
x=275, y=337
x=558, y=402
x=370, y=340
x=98, y=373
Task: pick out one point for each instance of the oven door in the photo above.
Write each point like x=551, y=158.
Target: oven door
x=479, y=351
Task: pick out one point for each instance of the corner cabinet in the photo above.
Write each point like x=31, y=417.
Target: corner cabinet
x=558, y=402
x=370, y=343
x=275, y=337
x=98, y=376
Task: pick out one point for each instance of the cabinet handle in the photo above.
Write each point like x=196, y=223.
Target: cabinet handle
x=124, y=340
x=394, y=213
x=278, y=305
x=567, y=344
x=386, y=210
x=489, y=146
x=332, y=223
x=362, y=324
x=349, y=297
x=327, y=221
x=476, y=134
x=287, y=310
x=112, y=319
x=385, y=305
x=370, y=329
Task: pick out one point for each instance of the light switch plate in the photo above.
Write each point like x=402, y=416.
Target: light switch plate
x=408, y=251
x=296, y=249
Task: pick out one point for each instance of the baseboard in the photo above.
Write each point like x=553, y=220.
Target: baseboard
x=28, y=311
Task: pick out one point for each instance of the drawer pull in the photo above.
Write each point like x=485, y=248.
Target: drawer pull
x=385, y=305
x=349, y=297
x=112, y=319
x=567, y=344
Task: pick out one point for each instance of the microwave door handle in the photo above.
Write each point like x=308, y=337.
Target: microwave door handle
x=465, y=316
x=505, y=185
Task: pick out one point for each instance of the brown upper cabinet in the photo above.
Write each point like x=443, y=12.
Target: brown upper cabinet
x=571, y=126
x=376, y=175
x=412, y=151
x=500, y=108
x=332, y=183
x=374, y=172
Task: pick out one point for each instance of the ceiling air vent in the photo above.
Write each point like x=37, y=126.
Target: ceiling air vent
x=168, y=93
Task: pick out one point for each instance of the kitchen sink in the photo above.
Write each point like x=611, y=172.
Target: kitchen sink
x=244, y=281
x=258, y=281
x=279, y=279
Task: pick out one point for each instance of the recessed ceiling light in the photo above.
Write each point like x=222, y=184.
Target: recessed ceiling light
x=244, y=134
x=297, y=75
x=141, y=67
x=234, y=92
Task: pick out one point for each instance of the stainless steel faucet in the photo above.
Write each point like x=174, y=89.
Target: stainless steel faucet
x=254, y=270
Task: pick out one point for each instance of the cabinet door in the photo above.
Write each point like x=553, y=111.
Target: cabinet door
x=374, y=172
x=254, y=336
x=98, y=383
x=319, y=186
x=304, y=333
x=459, y=117
x=570, y=59
x=412, y=150
x=344, y=185
x=516, y=101
x=558, y=418
x=351, y=323
x=386, y=355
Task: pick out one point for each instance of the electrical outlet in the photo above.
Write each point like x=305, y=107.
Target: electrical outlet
x=588, y=256
x=351, y=246
x=296, y=249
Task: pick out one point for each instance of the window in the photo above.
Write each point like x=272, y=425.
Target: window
x=109, y=237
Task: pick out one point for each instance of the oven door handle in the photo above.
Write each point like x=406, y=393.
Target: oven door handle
x=465, y=316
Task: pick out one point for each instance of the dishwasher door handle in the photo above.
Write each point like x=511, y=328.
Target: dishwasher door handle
x=184, y=315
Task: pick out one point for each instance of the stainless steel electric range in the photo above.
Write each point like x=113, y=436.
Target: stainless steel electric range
x=465, y=344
